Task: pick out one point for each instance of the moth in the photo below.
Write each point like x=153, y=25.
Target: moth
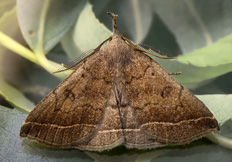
x=118, y=95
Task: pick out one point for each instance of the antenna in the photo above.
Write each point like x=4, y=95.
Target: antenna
x=114, y=17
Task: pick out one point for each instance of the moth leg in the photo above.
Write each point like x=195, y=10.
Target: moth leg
x=176, y=73
x=67, y=67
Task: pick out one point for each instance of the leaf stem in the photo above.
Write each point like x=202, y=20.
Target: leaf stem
x=39, y=59
x=52, y=67
x=17, y=48
x=220, y=140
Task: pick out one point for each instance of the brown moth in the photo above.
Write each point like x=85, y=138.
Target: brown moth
x=118, y=96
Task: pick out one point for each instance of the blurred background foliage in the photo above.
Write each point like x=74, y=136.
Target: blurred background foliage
x=52, y=32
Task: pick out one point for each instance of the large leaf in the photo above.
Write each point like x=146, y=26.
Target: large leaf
x=138, y=19
x=207, y=153
x=13, y=148
x=219, y=105
x=192, y=74
x=202, y=64
x=70, y=46
x=196, y=23
x=88, y=27
x=38, y=19
x=87, y=34
x=15, y=97
x=215, y=54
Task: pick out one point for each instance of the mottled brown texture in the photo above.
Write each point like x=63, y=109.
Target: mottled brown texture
x=118, y=95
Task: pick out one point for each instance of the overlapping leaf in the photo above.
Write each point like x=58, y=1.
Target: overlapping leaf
x=38, y=19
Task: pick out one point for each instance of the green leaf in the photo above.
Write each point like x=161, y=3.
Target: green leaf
x=14, y=148
x=209, y=55
x=89, y=28
x=87, y=34
x=38, y=19
x=138, y=19
x=199, y=154
x=219, y=105
x=15, y=97
x=70, y=46
x=195, y=24
x=192, y=75
x=202, y=64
